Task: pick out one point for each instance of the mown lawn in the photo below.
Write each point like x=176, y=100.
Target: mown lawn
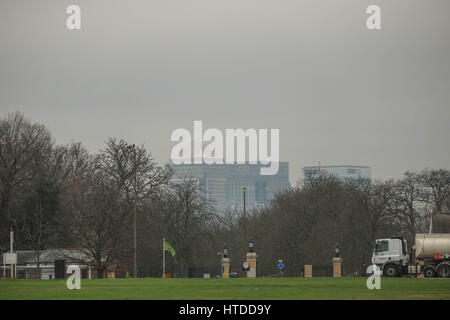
x=258, y=289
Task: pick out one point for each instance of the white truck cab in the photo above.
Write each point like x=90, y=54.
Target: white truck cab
x=391, y=256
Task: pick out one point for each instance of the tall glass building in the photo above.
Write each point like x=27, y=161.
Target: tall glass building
x=341, y=172
x=222, y=185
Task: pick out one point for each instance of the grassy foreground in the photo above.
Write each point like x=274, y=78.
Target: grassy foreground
x=260, y=288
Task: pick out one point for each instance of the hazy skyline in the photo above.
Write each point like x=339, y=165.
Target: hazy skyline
x=339, y=93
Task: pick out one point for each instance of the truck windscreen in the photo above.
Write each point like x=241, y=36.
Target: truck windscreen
x=381, y=246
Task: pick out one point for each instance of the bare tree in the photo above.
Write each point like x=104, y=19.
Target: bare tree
x=71, y=163
x=437, y=187
x=409, y=205
x=135, y=174
x=38, y=222
x=376, y=202
x=96, y=215
x=185, y=218
x=132, y=166
x=21, y=144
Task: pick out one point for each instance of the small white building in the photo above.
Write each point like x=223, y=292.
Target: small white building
x=47, y=263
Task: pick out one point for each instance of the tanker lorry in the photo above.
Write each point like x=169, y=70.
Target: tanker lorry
x=430, y=256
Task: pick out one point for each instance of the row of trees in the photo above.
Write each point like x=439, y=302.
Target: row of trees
x=64, y=197
x=307, y=222
x=61, y=196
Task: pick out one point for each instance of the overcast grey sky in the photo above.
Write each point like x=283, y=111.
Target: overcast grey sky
x=339, y=93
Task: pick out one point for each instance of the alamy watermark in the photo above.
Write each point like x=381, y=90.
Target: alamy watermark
x=374, y=281
x=73, y=21
x=74, y=280
x=208, y=147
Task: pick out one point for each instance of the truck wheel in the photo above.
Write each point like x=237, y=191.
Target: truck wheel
x=391, y=271
x=429, y=273
x=443, y=270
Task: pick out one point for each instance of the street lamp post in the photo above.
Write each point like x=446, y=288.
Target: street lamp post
x=134, y=227
x=134, y=208
x=336, y=251
x=225, y=251
x=251, y=244
x=245, y=220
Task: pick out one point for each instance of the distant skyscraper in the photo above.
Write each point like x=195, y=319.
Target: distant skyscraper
x=223, y=184
x=341, y=172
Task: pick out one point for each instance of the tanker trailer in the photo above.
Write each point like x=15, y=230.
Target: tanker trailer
x=432, y=252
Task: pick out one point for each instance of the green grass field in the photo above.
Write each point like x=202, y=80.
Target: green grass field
x=260, y=288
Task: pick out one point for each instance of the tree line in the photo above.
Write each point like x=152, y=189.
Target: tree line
x=62, y=196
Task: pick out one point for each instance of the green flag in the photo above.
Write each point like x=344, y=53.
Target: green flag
x=169, y=248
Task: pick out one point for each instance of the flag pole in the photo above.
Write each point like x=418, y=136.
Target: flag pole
x=164, y=258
